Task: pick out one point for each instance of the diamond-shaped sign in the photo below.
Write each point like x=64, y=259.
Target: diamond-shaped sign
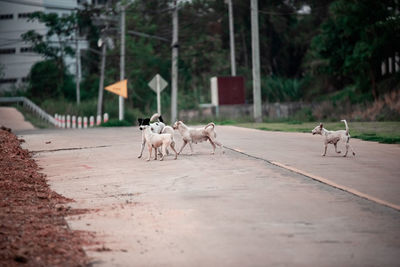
x=158, y=82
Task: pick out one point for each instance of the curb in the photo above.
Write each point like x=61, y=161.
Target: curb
x=324, y=181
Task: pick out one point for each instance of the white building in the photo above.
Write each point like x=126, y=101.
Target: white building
x=16, y=56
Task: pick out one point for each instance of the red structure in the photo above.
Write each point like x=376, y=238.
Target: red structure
x=231, y=90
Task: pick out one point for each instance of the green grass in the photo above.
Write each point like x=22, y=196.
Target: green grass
x=116, y=123
x=34, y=119
x=382, y=132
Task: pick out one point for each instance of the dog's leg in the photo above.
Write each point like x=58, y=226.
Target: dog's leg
x=163, y=151
x=142, y=147
x=218, y=144
x=172, y=145
x=184, y=144
x=351, y=148
x=326, y=146
x=155, y=152
x=347, y=149
x=354, y=153
x=191, y=148
x=213, y=145
x=150, y=150
x=335, y=144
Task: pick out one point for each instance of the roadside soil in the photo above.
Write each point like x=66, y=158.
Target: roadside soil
x=33, y=229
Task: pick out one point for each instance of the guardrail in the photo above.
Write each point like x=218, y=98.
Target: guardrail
x=60, y=121
x=30, y=105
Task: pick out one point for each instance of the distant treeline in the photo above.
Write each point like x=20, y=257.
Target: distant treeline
x=311, y=49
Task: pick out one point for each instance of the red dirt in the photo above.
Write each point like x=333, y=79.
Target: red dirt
x=33, y=230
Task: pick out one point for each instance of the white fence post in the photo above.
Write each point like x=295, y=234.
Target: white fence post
x=73, y=121
x=63, y=121
x=105, y=117
x=68, y=121
x=85, y=122
x=56, y=118
x=79, y=122
x=91, y=120
x=98, y=120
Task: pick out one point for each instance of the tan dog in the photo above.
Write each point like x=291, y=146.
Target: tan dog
x=333, y=137
x=196, y=135
x=155, y=141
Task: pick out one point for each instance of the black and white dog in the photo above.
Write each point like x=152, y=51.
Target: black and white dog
x=157, y=127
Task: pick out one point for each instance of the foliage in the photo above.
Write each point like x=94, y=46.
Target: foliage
x=356, y=38
x=49, y=78
x=116, y=123
x=54, y=44
x=334, y=53
x=383, y=132
x=33, y=118
x=43, y=82
x=59, y=30
x=278, y=89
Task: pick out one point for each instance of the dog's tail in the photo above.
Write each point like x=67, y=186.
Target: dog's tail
x=208, y=125
x=211, y=124
x=168, y=129
x=156, y=116
x=347, y=127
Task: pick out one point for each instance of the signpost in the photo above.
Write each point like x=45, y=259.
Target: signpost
x=158, y=84
x=120, y=88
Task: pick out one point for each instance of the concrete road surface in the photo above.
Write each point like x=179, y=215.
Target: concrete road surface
x=232, y=209
x=10, y=117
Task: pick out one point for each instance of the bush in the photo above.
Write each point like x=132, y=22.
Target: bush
x=116, y=123
x=43, y=80
x=303, y=115
x=279, y=89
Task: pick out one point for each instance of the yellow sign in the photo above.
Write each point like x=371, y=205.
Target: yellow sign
x=119, y=88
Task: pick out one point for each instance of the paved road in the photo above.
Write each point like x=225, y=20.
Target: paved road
x=12, y=118
x=225, y=209
x=373, y=172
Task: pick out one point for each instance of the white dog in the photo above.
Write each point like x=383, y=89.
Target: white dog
x=157, y=127
x=333, y=137
x=155, y=140
x=193, y=135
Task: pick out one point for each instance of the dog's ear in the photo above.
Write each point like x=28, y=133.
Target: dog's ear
x=160, y=119
x=321, y=125
x=140, y=120
x=146, y=121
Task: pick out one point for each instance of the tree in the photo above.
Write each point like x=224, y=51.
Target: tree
x=53, y=45
x=356, y=39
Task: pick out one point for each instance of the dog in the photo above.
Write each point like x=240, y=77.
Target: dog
x=157, y=126
x=155, y=140
x=333, y=137
x=193, y=135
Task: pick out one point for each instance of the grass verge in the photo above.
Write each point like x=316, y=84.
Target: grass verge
x=32, y=118
x=383, y=132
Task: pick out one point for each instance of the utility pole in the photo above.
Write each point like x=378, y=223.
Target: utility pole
x=122, y=61
x=256, y=62
x=174, y=71
x=78, y=67
x=101, y=84
x=232, y=37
